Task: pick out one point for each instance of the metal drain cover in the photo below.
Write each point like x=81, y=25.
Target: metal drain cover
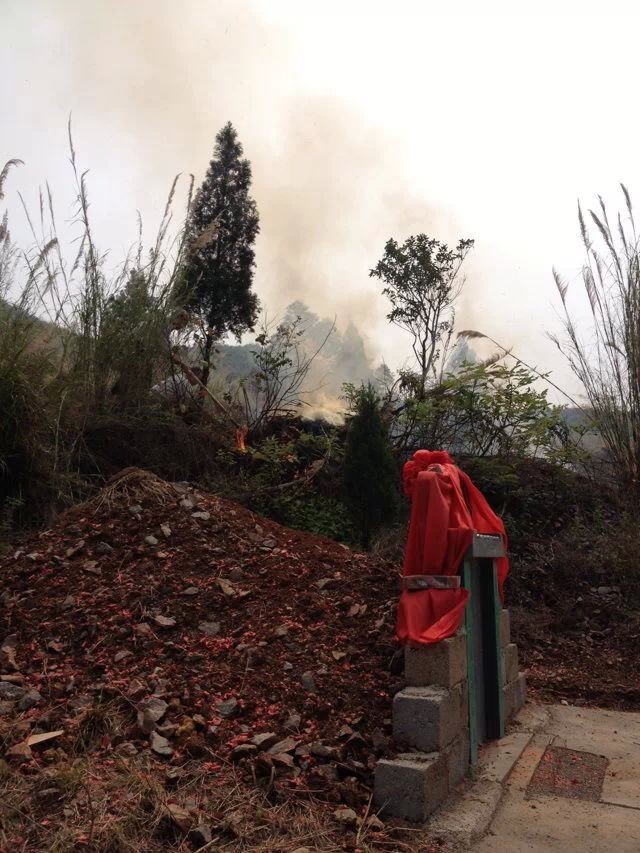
x=568, y=773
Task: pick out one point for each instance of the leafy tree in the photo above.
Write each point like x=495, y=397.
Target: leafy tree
x=422, y=281
x=223, y=226
x=370, y=473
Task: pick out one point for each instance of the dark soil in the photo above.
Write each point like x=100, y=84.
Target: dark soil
x=241, y=626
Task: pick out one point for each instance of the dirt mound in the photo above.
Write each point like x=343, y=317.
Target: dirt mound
x=209, y=632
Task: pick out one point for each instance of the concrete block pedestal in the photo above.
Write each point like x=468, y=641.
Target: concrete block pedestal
x=431, y=719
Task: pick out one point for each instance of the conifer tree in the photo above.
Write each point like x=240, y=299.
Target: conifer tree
x=370, y=473
x=223, y=225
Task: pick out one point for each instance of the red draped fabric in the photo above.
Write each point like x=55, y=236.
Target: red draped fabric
x=446, y=508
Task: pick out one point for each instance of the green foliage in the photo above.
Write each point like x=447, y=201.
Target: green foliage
x=370, y=472
x=422, y=281
x=218, y=274
x=490, y=410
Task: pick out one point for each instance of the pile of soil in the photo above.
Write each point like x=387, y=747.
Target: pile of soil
x=219, y=635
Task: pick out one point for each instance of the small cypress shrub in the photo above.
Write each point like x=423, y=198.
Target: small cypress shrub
x=370, y=471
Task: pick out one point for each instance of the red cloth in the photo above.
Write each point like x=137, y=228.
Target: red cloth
x=446, y=508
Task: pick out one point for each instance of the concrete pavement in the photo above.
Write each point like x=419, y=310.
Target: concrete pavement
x=526, y=823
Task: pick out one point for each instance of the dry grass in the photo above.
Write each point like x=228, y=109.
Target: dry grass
x=135, y=804
x=87, y=794
x=130, y=486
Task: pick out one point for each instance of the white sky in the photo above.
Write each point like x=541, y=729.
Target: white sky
x=362, y=120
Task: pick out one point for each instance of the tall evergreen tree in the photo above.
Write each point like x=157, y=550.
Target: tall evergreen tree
x=370, y=473
x=223, y=226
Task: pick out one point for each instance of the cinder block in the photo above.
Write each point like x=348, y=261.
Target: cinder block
x=457, y=758
x=515, y=693
x=411, y=786
x=509, y=659
x=428, y=718
x=440, y=664
x=505, y=629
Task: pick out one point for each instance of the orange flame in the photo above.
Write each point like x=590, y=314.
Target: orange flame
x=240, y=437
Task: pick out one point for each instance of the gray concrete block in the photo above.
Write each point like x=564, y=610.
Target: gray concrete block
x=515, y=693
x=428, y=718
x=440, y=664
x=457, y=758
x=505, y=628
x=509, y=659
x=411, y=786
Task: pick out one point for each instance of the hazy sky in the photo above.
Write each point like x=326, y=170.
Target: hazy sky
x=362, y=120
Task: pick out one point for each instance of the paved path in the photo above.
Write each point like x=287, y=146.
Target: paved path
x=554, y=824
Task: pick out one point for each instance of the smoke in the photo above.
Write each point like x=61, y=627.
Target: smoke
x=149, y=85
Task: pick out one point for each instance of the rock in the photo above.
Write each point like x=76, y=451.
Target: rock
x=160, y=745
x=375, y=824
x=180, y=816
x=30, y=698
x=199, y=836
x=150, y=540
x=321, y=750
x=191, y=590
x=269, y=543
x=136, y=690
x=264, y=740
x=244, y=750
x=605, y=590
x=306, y=679
x=103, y=548
x=338, y=655
x=92, y=567
x=127, y=749
x=187, y=503
x=281, y=631
x=236, y=573
x=286, y=745
x=324, y=582
x=8, y=652
x=19, y=753
x=346, y=817
x=164, y=621
x=287, y=666
x=11, y=692
x=6, y=707
x=155, y=708
x=209, y=628
x=293, y=722
x=199, y=721
x=228, y=707
x=75, y=549
x=201, y=516
x=301, y=850
x=283, y=759
x=165, y=530
x=68, y=602
x=227, y=588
